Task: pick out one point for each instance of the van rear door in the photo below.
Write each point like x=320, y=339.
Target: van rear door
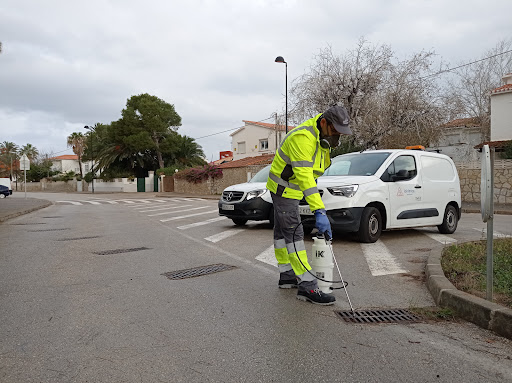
x=440, y=183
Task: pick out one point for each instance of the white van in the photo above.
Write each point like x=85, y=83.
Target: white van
x=249, y=201
x=6, y=190
x=370, y=191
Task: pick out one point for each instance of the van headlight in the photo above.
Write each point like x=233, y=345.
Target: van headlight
x=255, y=194
x=343, y=191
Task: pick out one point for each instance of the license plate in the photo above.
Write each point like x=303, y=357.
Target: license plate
x=305, y=210
x=228, y=207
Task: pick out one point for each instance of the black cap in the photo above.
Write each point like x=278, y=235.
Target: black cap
x=338, y=117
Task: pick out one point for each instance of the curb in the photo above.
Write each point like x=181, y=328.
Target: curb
x=485, y=314
x=496, y=211
x=25, y=211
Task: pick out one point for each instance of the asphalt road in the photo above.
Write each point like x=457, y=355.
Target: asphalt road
x=69, y=314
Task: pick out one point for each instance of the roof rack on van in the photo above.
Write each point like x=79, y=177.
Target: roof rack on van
x=415, y=147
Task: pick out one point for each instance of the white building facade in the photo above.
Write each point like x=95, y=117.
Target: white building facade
x=256, y=139
x=501, y=111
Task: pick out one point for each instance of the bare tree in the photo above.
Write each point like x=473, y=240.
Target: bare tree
x=388, y=100
x=468, y=90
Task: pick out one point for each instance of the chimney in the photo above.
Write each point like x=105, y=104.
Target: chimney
x=507, y=79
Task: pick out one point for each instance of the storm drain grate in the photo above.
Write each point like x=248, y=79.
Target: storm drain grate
x=75, y=238
x=197, y=271
x=33, y=231
x=120, y=251
x=378, y=316
x=55, y=216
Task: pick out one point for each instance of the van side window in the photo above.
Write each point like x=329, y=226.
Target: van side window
x=403, y=168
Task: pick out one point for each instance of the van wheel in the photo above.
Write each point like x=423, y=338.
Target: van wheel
x=239, y=221
x=450, y=221
x=370, y=226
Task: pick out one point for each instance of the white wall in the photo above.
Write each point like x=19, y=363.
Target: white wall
x=501, y=116
x=458, y=143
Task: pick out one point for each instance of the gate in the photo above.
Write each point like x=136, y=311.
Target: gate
x=141, y=184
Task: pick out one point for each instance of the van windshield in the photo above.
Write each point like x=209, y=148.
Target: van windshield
x=262, y=175
x=357, y=164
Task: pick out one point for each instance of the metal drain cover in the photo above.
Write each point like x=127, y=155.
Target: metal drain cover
x=120, y=251
x=197, y=271
x=378, y=316
x=75, y=238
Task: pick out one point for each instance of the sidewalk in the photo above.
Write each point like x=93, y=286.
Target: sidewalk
x=474, y=207
x=14, y=207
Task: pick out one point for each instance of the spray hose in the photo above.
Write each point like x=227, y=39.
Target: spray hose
x=345, y=283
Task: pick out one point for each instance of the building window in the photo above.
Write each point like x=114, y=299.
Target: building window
x=241, y=147
x=86, y=166
x=263, y=144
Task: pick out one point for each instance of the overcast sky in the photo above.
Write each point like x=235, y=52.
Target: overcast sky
x=66, y=64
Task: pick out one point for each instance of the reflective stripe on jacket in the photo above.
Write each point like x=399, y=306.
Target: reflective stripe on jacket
x=298, y=162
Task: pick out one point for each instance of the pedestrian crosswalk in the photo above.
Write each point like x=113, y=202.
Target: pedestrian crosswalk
x=201, y=216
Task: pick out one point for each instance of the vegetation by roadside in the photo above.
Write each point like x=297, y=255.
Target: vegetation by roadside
x=465, y=266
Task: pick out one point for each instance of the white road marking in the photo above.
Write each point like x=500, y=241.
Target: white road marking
x=91, y=202
x=441, y=238
x=380, y=260
x=201, y=223
x=177, y=211
x=160, y=208
x=190, y=215
x=125, y=200
x=496, y=234
x=223, y=235
x=268, y=257
x=107, y=201
x=71, y=202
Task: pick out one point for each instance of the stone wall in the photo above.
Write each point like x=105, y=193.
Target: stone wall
x=49, y=186
x=470, y=178
x=230, y=176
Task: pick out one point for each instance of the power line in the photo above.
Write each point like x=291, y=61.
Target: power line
x=463, y=65
x=229, y=130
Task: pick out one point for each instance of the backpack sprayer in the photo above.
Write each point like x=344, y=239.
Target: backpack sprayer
x=322, y=264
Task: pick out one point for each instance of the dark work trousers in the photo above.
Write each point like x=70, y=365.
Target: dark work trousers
x=289, y=247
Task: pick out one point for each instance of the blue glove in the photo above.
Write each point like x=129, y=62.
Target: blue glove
x=322, y=223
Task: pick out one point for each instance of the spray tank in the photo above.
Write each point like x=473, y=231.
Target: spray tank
x=322, y=263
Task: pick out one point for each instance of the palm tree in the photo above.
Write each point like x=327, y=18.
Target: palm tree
x=77, y=142
x=188, y=152
x=30, y=151
x=9, y=154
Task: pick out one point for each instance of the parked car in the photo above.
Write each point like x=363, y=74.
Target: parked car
x=4, y=181
x=371, y=191
x=248, y=201
x=4, y=191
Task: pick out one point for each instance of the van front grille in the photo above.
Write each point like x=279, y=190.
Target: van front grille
x=232, y=196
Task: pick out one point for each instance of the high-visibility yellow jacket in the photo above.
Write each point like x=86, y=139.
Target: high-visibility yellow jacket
x=298, y=162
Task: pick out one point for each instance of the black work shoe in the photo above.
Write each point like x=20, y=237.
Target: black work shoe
x=316, y=296
x=288, y=283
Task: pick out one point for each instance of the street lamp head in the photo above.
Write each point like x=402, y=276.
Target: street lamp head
x=280, y=59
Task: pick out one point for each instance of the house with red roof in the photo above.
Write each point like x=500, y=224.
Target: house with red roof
x=69, y=162
x=256, y=139
x=501, y=116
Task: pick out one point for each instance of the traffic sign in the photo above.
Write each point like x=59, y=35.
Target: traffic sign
x=24, y=163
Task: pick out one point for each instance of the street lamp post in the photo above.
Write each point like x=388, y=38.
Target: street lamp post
x=91, y=129
x=280, y=59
